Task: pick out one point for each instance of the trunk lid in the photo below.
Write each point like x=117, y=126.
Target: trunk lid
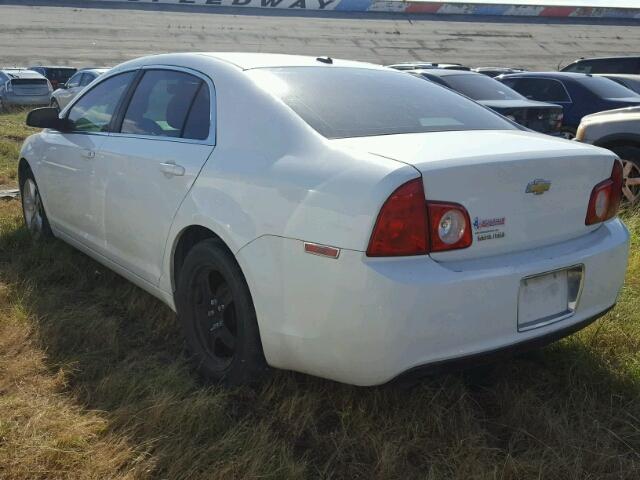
x=30, y=86
x=538, y=116
x=494, y=175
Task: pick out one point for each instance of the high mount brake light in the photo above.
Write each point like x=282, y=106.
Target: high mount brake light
x=605, y=197
x=409, y=225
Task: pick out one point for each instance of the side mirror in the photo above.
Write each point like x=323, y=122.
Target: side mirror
x=62, y=86
x=46, y=118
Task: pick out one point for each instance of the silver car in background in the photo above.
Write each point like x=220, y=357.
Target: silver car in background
x=20, y=87
x=67, y=92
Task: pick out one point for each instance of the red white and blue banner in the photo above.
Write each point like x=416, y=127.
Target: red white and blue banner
x=528, y=8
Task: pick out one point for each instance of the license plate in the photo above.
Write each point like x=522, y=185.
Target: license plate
x=548, y=297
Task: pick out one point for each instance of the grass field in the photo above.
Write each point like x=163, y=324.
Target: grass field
x=94, y=384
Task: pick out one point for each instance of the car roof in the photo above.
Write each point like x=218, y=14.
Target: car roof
x=247, y=61
x=629, y=76
x=618, y=57
x=21, y=73
x=551, y=75
x=54, y=66
x=242, y=61
x=99, y=71
x=441, y=72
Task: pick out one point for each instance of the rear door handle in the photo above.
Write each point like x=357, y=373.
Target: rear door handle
x=171, y=169
x=89, y=154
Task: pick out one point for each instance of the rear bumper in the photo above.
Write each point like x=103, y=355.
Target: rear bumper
x=365, y=321
x=481, y=358
x=26, y=100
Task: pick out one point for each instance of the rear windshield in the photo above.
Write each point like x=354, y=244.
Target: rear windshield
x=60, y=74
x=606, y=88
x=28, y=81
x=352, y=102
x=481, y=87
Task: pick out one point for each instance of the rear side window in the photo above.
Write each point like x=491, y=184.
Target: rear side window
x=606, y=88
x=353, y=102
x=163, y=101
x=540, y=89
x=94, y=110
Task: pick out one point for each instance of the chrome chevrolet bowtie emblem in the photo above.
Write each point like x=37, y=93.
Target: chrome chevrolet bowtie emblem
x=538, y=186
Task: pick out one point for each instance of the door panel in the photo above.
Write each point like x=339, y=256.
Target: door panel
x=69, y=169
x=146, y=181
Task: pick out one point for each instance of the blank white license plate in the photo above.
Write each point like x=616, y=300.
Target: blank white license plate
x=543, y=299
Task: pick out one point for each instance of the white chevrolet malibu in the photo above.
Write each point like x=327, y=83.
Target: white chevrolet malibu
x=330, y=217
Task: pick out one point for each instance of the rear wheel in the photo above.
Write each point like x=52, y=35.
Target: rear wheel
x=217, y=315
x=35, y=217
x=630, y=156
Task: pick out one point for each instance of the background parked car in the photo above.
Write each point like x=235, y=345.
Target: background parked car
x=61, y=97
x=20, y=87
x=56, y=75
x=426, y=65
x=605, y=65
x=618, y=131
x=577, y=93
x=495, y=71
x=632, y=82
x=538, y=116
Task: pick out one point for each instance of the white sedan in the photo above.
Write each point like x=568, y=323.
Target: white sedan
x=330, y=217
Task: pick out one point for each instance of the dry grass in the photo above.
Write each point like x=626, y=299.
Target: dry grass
x=93, y=384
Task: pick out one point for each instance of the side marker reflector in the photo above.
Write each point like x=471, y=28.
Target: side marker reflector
x=322, y=250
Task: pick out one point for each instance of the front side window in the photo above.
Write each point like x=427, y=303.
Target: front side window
x=74, y=81
x=87, y=78
x=94, y=110
x=162, y=102
x=356, y=102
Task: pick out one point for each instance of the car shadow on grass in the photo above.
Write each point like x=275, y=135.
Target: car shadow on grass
x=564, y=411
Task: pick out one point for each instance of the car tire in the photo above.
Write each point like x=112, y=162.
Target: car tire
x=33, y=211
x=630, y=156
x=218, y=317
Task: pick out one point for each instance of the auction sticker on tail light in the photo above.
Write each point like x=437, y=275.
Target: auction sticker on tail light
x=488, y=228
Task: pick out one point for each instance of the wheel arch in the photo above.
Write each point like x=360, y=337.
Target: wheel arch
x=23, y=169
x=619, y=140
x=186, y=239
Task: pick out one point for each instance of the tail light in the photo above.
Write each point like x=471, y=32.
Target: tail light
x=450, y=227
x=556, y=120
x=401, y=227
x=409, y=225
x=605, y=197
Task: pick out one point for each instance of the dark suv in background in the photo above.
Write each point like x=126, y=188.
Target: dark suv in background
x=605, y=65
x=56, y=75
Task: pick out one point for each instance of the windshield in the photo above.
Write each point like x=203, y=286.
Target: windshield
x=481, y=87
x=606, y=88
x=353, y=102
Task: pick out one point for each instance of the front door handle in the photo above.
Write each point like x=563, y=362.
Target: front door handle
x=171, y=169
x=89, y=154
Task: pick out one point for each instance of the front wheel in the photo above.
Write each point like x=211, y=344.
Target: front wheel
x=217, y=316
x=35, y=217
